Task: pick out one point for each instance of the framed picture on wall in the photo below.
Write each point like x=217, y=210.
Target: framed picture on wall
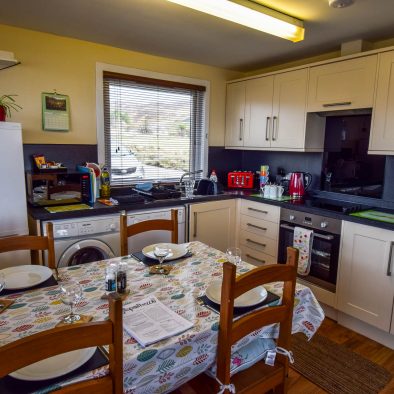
x=55, y=112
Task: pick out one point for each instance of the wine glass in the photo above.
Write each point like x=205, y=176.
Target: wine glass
x=161, y=251
x=234, y=255
x=71, y=294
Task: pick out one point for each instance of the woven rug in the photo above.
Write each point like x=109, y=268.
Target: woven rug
x=335, y=368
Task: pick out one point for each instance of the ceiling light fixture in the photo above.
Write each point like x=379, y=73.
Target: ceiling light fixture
x=340, y=3
x=250, y=14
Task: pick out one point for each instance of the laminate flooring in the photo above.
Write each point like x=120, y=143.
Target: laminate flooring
x=365, y=347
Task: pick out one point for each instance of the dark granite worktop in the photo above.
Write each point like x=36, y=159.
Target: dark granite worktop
x=38, y=213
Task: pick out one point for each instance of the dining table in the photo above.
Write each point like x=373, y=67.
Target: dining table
x=165, y=365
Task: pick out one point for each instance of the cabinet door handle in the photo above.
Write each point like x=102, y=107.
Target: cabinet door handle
x=254, y=226
x=255, y=258
x=241, y=129
x=255, y=242
x=274, y=128
x=327, y=105
x=267, y=128
x=195, y=225
x=390, y=257
x=257, y=210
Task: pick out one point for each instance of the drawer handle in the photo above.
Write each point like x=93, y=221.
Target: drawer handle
x=337, y=104
x=257, y=210
x=254, y=226
x=390, y=258
x=255, y=258
x=255, y=242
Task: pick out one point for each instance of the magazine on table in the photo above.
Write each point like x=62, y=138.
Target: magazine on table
x=150, y=321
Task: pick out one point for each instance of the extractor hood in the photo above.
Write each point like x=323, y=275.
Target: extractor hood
x=7, y=59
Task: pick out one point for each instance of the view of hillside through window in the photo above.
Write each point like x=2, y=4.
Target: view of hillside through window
x=150, y=132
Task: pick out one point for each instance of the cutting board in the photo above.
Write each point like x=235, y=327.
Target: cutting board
x=375, y=215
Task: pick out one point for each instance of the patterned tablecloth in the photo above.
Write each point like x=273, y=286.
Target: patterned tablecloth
x=161, y=367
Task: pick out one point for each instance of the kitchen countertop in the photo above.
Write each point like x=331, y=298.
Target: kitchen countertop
x=39, y=213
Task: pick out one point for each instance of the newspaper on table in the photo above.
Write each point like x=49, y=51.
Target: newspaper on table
x=150, y=321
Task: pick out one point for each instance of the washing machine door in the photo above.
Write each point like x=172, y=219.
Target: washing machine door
x=85, y=251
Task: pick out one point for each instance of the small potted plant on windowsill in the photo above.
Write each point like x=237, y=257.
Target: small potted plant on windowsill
x=8, y=104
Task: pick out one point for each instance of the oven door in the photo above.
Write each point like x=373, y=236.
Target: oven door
x=325, y=254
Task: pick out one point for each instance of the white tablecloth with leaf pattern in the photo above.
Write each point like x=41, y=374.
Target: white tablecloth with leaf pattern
x=165, y=365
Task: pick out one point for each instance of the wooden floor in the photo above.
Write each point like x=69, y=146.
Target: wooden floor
x=367, y=348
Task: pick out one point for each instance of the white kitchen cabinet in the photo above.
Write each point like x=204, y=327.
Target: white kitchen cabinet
x=248, y=112
x=269, y=113
x=213, y=223
x=259, y=232
x=347, y=84
x=365, y=283
x=382, y=129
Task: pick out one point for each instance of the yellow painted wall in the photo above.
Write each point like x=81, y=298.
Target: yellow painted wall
x=51, y=62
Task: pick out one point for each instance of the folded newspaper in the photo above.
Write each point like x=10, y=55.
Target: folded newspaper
x=150, y=321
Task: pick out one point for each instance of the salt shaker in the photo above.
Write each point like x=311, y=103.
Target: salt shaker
x=110, y=279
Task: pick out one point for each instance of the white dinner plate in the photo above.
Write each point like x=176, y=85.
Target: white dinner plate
x=53, y=367
x=25, y=276
x=250, y=298
x=177, y=251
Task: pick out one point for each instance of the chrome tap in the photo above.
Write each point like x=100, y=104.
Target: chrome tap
x=188, y=174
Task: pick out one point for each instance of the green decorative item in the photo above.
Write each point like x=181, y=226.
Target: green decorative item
x=7, y=105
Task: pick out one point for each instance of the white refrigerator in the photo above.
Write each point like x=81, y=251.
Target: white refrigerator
x=13, y=210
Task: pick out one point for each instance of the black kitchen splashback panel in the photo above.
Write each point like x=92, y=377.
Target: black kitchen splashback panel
x=70, y=155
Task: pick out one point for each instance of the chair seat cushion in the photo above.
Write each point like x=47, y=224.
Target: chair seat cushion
x=247, y=355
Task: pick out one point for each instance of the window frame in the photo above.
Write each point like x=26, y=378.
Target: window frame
x=101, y=67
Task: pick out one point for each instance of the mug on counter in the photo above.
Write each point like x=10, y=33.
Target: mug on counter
x=272, y=191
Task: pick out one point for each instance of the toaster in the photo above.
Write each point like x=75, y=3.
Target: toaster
x=240, y=179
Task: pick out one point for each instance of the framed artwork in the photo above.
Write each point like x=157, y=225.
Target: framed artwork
x=55, y=112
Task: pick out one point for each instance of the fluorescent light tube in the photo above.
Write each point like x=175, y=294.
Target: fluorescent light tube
x=250, y=14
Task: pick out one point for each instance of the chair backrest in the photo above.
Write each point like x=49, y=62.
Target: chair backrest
x=63, y=339
x=147, y=225
x=32, y=243
x=232, y=331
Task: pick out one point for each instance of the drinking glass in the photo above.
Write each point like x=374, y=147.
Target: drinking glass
x=161, y=252
x=2, y=282
x=234, y=255
x=189, y=187
x=71, y=294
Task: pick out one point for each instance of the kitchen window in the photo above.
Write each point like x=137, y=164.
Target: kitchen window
x=154, y=129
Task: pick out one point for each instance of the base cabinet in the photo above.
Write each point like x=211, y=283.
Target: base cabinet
x=366, y=283
x=213, y=223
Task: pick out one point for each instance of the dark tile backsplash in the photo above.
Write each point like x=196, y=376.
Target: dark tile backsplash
x=69, y=155
x=225, y=160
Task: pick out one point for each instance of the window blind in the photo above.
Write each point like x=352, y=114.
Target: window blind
x=153, y=129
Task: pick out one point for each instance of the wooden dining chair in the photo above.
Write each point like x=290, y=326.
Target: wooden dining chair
x=33, y=243
x=42, y=345
x=147, y=225
x=260, y=377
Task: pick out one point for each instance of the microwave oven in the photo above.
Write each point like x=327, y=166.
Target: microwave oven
x=58, y=188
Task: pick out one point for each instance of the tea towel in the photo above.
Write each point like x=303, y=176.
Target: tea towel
x=302, y=241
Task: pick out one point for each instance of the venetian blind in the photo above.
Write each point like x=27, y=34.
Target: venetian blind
x=153, y=129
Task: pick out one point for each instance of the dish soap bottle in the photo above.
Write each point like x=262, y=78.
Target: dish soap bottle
x=213, y=177
x=105, y=191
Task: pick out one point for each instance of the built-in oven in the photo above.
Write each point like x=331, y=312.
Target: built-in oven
x=324, y=248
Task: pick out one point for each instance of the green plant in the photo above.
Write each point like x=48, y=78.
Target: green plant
x=7, y=101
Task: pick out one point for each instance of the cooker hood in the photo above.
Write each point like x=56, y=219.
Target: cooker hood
x=346, y=112
x=7, y=59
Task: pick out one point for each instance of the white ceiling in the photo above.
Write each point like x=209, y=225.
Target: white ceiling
x=162, y=28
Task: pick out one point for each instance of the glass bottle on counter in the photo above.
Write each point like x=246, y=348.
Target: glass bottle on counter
x=105, y=191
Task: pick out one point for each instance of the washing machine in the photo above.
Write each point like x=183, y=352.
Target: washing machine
x=84, y=240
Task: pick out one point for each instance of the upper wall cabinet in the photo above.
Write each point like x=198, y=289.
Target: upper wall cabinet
x=382, y=130
x=345, y=84
x=267, y=113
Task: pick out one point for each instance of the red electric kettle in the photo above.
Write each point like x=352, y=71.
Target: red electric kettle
x=299, y=182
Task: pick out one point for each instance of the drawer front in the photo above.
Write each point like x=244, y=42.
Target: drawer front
x=259, y=243
x=257, y=258
x=260, y=227
x=260, y=211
